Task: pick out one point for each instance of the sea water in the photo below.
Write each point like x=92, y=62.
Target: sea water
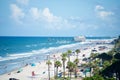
x=15, y=52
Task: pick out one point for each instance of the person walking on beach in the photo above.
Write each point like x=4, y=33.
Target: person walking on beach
x=33, y=73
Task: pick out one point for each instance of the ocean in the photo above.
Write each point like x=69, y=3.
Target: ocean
x=15, y=52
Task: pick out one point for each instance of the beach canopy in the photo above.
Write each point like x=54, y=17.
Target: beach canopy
x=33, y=64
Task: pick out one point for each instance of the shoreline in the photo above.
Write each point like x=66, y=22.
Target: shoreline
x=37, y=56
x=41, y=67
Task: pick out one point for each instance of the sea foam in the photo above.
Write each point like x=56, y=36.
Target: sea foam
x=40, y=51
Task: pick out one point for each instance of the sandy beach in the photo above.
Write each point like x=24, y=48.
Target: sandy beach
x=41, y=69
x=59, y=39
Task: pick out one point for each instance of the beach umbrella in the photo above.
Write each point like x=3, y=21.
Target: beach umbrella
x=33, y=64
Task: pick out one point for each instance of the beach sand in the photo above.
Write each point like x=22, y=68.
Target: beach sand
x=41, y=69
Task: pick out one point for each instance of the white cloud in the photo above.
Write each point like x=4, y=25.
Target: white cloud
x=35, y=13
x=43, y=15
x=99, y=7
x=36, y=16
x=102, y=13
x=48, y=15
x=17, y=13
x=24, y=2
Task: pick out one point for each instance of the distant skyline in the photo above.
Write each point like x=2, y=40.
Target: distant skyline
x=59, y=17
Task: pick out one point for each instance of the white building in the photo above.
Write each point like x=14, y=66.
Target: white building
x=80, y=38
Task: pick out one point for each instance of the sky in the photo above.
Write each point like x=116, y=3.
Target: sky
x=59, y=17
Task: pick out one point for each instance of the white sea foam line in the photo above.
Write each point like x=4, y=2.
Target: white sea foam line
x=22, y=55
x=15, y=56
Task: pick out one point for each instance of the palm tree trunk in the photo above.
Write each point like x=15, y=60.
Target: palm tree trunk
x=63, y=69
x=90, y=71
x=48, y=72
x=77, y=56
x=118, y=75
x=57, y=73
x=75, y=73
x=68, y=70
x=70, y=75
x=54, y=71
x=69, y=58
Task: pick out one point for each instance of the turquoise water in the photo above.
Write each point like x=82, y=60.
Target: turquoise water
x=22, y=50
x=14, y=45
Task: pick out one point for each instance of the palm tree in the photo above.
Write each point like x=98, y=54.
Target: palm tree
x=93, y=55
x=68, y=54
x=96, y=66
x=48, y=63
x=57, y=64
x=71, y=66
x=76, y=61
x=77, y=51
x=54, y=67
x=63, y=60
x=91, y=65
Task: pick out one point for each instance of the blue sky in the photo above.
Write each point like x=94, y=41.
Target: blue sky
x=59, y=17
